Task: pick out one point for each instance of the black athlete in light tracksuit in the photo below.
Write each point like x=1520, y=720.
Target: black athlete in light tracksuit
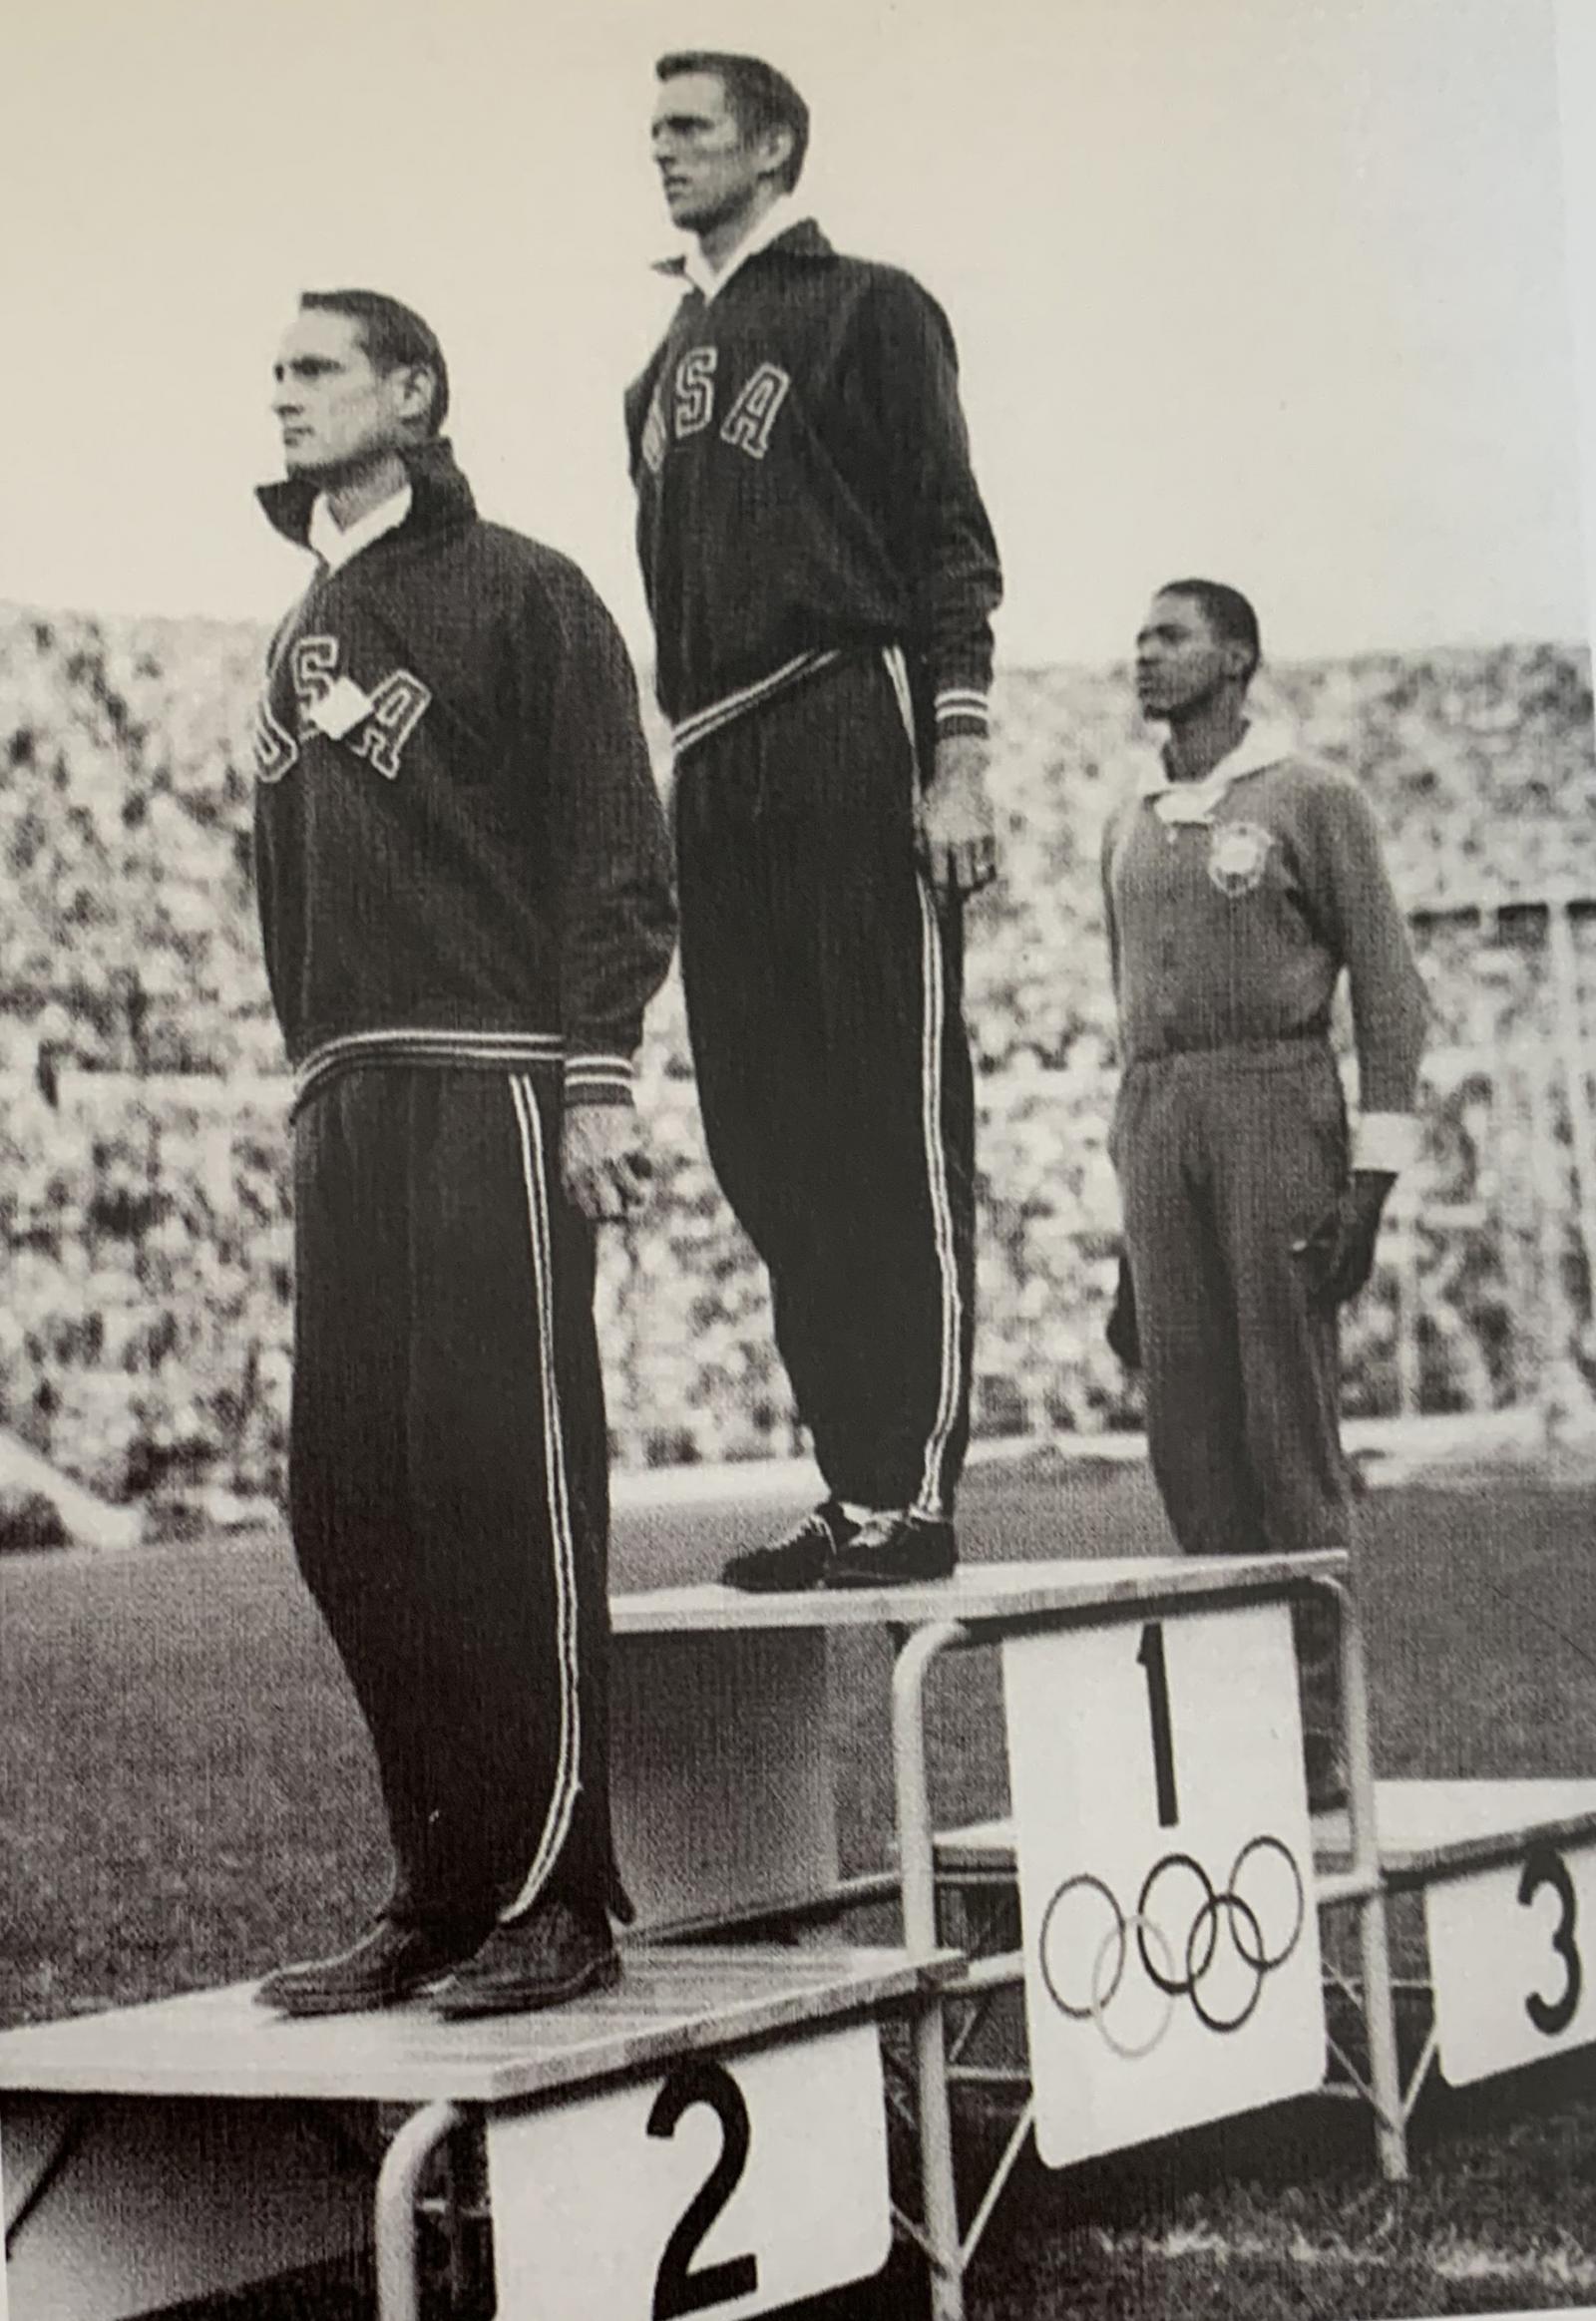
x=465, y=901
x=1240, y=882
x=821, y=574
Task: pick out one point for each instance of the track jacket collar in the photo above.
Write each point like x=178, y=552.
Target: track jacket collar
x=1260, y=747
x=781, y=228
x=339, y=544
x=440, y=497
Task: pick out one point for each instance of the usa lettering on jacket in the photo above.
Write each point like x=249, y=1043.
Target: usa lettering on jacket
x=375, y=725
x=685, y=404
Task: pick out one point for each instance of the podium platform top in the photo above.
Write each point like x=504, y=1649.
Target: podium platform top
x=669, y=2002
x=1430, y=1829
x=1426, y=1828
x=979, y=1593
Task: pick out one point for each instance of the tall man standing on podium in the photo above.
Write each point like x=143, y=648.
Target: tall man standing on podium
x=465, y=898
x=1241, y=880
x=822, y=575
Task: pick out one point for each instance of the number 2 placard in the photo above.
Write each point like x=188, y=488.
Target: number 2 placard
x=1512, y=1961
x=729, y=2187
x=1165, y=1874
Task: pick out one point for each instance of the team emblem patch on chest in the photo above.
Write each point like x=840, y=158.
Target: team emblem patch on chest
x=374, y=725
x=1237, y=855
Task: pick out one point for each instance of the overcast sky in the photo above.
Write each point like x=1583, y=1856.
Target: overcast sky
x=1269, y=288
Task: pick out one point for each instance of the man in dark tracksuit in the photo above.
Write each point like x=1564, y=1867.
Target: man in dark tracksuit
x=465, y=898
x=821, y=574
x=1239, y=882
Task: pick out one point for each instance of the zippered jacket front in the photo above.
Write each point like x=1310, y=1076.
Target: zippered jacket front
x=804, y=483
x=458, y=838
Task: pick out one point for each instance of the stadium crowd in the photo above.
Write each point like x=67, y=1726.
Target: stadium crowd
x=145, y=1322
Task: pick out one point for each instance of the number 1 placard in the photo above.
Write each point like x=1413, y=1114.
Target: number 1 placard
x=731, y=2187
x=1172, y=1971
x=1512, y=1961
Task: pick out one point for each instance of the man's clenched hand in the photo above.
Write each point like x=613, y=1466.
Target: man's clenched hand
x=958, y=836
x=1338, y=1257
x=603, y=1161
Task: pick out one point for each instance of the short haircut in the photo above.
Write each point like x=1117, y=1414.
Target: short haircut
x=1227, y=613
x=760, y=98
x=394, y=337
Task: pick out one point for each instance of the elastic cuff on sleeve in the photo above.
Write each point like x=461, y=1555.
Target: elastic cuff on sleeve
x=1387, y=1142
x=600, y=1079
x=961, y=709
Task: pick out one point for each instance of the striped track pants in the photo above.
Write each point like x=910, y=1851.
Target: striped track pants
x=448, y=1475
x=823, y=987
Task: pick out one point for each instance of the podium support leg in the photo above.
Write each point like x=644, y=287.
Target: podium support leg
x=1380, y=2013
x=398, y=2183
x=916, y=1868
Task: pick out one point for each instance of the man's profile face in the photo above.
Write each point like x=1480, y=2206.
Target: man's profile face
x=337, y=412
x=709, y=170
x=1180, y=662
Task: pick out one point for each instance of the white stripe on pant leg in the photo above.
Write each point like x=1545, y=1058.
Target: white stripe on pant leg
x=931, y=1500
x=562, y=1800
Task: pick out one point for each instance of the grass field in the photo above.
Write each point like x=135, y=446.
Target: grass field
x=185, y=1797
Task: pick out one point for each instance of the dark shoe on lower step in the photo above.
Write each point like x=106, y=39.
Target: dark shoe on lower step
x=895, y=1550
x=389, y=1964
x=555, y=1953
x=798, y=1559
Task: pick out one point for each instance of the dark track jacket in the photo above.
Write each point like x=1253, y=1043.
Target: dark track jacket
x=804, y=483
x=460, y=851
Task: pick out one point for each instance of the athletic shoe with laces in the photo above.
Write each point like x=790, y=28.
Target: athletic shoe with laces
x=894, y=1550
x=389, y=1963
x=554, y=1954
x=798, y=1559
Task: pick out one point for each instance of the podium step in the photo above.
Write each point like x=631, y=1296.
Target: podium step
x=1427, y=1830
x=1434, y=1829
x=162, y=2154
x=669, y=2002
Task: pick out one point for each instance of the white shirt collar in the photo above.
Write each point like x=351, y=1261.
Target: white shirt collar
x=1261, y=746
x=335, y=543
x=782, y=214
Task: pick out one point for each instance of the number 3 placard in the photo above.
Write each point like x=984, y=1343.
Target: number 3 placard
x=1512, y=1959
x=733, y=2186
x=1165, y=1875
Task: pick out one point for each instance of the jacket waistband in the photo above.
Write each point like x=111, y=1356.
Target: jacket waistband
x=499, y=1051
x=728, y=710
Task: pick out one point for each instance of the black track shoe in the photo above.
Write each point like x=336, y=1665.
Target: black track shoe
x=895, y=1550
x=799, y=1560
x=555, y=1953
x=389, y=1964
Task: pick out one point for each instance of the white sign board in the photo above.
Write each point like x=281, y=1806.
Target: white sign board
x=1160, y=1807
x=733, y=2186
x=1512, y=1961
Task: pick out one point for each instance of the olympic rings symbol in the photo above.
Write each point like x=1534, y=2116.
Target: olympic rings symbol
x=1220, y=1962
